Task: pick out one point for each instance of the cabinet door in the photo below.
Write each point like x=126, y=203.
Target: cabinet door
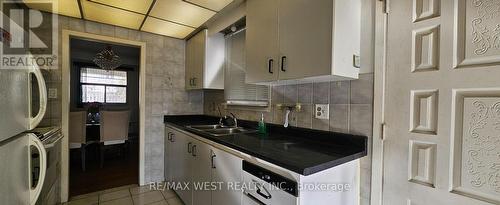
x=168, y=154
x=195, y=60
x=261, y=41
x=199, y=59
x=202, y=172
x=189, y=63
x=305, y=38
x=181, y=165
x=226, y=169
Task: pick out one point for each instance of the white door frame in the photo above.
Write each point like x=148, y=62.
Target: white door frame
x=378, y=103
x=66, y=35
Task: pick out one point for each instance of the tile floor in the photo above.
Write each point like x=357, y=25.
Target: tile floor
x=127, y=195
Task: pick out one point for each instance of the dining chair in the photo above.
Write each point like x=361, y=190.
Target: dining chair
x=114, y=129
x=78, y=133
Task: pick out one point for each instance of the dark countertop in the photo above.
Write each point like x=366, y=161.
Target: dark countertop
x=304, y=151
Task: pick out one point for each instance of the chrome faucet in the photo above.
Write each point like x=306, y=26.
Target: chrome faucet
x=235, y=120
x=223, y=119
x=220, y=114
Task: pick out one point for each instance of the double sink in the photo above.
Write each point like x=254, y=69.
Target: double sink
x=219, y=130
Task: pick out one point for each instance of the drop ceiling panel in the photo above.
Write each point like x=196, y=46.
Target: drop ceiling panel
x=139, y=6
x=181, y=12
x=215, y=5
x=166, y=28
x=62, y=7
x=110, y=15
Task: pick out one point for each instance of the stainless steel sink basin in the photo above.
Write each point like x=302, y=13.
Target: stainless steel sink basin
x=205, y=127
x=218, y=130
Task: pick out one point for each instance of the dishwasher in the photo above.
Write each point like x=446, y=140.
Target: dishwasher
x=264, y=187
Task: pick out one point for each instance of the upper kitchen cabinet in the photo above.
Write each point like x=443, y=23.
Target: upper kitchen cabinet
x=205, y=61
x=289, y=41
x=262, y=45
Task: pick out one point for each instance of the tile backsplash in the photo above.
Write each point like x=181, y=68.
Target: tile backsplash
x=351, y=105
x=351, y=110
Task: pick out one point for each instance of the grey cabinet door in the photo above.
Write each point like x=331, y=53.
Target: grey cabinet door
x=168, y=154
x=195, y=60
x=305, y=38
x=262, y=41
x=226, y=169
x=181, y=165
x=202, y=172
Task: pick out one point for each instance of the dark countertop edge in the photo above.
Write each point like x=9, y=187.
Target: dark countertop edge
x=302, y=171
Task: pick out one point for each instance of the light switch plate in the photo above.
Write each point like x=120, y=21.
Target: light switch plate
x=322, y=111
x=52, y=93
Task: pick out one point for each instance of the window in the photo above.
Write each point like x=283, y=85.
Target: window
x=236, y=91
x=98, y=85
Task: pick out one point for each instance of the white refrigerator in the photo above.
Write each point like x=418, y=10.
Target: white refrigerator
x=21, y=178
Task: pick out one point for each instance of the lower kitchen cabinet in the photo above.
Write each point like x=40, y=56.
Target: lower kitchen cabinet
x=226, y=169
x=168, y=152
x=180, y=161
x=202, y=172
x=197, y=161
x=188, y=160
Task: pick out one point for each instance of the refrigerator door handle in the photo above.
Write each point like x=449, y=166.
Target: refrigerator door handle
x=42, y=89
x=35, y=190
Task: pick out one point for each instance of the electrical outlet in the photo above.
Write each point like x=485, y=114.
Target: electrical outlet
x=52, y=93
x=322, y=111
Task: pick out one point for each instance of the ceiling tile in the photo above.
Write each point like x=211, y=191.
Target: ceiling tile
x=215, y=5
x=140, y=6
x=181, y=12
x=166, y=28
x=63, y=7
x=110, y=15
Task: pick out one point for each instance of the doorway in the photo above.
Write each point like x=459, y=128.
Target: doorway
x=67, y=35
x=100, y=157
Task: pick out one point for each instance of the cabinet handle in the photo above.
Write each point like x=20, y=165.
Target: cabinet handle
x=190, y=81
x=172, y=137
x=270, y=65
x=194, y=151
x=194, y=81
x=283, y=60
x=189, y=147
x=169, y=136
x=213, y=161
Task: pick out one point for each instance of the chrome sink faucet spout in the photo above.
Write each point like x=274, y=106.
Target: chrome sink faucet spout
x=235, y=120
x=221, y=117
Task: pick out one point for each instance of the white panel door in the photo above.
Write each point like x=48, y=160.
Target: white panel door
x=442, y=141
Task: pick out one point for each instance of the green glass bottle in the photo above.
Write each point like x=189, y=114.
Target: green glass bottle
x=262, y=125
